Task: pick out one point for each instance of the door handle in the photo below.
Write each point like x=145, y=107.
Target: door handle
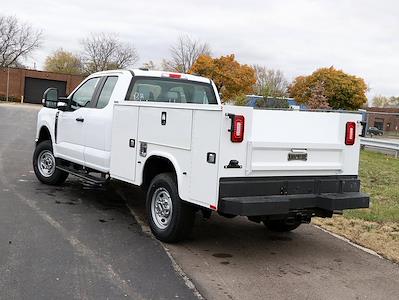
x=80, y=119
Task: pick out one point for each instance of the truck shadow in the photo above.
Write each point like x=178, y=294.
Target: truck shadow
x=224, y=241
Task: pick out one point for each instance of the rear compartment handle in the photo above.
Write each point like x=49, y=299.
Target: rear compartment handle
x=163, y=118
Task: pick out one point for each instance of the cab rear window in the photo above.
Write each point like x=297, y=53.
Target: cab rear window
x=171, y=90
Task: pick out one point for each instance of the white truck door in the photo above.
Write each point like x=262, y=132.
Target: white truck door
x=97, y=127
x=124, y=142
x=69, y=140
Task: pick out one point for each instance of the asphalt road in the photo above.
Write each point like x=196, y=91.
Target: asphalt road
x=70, y=242
x=238, y=259
x=75, y=241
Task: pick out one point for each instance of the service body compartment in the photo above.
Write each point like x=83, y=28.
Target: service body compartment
x=124, y=142
x=166, y=126
x=183, y=134
x=205, y=143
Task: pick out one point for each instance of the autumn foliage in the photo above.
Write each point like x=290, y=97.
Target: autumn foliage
x=331, y=88
x=232, y=79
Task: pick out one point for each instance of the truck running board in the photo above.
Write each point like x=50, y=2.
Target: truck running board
x=83, y=175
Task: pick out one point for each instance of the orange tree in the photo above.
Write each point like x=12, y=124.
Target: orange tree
x=232, y=79
x=341, y=90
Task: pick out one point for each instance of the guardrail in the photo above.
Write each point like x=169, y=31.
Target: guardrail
x=381, y=144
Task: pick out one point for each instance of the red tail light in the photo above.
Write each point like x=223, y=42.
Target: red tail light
x=237, y=129
x=350, y=134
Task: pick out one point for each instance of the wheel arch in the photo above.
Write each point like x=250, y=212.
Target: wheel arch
x=158, y=163
x=44, y=135
x=154, y=165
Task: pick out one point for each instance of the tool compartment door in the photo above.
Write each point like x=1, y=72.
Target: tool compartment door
x=124, y=142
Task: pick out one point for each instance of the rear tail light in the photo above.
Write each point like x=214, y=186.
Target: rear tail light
x=350, y=133
x=237, y=128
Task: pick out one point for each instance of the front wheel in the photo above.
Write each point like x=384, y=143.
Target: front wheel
x=170, y=218
x=44, y=165
x=281, y=225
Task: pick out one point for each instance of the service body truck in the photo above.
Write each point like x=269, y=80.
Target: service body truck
x=170, y=134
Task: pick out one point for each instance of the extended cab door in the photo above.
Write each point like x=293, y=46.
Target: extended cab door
x=98, y=124
x=69, y=143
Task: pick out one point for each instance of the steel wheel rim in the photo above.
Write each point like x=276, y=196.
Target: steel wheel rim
x=46, y=163
x=161, y=208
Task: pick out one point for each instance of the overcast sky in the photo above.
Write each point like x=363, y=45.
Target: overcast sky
x=359, y=37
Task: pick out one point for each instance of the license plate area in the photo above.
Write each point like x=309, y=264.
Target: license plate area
x=297, y=156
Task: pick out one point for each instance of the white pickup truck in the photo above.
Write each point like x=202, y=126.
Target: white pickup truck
x=170, y=134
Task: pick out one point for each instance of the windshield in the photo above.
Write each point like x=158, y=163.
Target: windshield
x=171, y=90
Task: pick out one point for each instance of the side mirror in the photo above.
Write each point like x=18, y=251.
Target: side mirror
x=50, y=98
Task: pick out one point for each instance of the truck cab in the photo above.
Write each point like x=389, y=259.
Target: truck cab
x=170, y=134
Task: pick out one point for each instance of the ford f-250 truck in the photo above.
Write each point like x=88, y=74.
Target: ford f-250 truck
x=170, y=134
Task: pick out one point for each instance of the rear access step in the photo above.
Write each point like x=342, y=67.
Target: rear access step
x=85, y=176
x=283, y=204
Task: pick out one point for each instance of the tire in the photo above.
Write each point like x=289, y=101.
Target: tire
x=170, y=218
x=281, y=225
x=44, y=165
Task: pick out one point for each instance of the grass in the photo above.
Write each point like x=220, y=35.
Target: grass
x=379, y=174
x=376, y=227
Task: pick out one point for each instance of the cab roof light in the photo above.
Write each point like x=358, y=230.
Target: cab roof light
x=173, y=75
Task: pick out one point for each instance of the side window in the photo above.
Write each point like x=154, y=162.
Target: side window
x=83, y=96
x=106, y=91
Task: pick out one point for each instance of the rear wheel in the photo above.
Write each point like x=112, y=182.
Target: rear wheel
x=170, y=218
x=281, y=225
x=44, y=165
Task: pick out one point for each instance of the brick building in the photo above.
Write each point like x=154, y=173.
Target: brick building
x=386, y=119
x=29, y=85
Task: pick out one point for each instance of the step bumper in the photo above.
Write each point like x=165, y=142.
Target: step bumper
x=283, y=204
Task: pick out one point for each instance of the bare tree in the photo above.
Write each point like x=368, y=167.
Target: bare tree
x=270, y=82
x=184, y=54
x=150, y=65
x=394, y=101
x=105, y=52
x=380, y=101
x=17, y=41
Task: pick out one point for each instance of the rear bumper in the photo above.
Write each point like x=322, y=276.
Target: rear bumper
x=284, y=195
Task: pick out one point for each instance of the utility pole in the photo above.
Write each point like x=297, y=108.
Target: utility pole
x=8, y=81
